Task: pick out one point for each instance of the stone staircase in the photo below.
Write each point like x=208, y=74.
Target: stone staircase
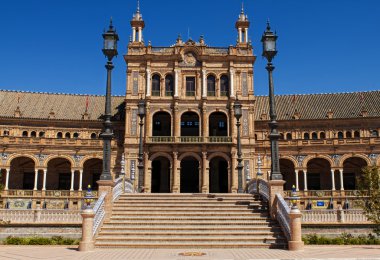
x=190, y=221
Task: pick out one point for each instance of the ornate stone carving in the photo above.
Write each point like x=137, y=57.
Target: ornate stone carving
x=300, y=159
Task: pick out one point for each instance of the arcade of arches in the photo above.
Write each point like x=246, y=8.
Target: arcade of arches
x=58, y=175
x=319, y=175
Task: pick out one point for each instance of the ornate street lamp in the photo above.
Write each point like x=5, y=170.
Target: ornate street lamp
x=141, y=113
x=109, y=50
x=269, y=51
x=238, y=114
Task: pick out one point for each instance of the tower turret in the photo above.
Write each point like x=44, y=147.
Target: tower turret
x=137, y=24
x=242, y=25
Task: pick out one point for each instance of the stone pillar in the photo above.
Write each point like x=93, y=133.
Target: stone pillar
x=148, y=85
x=246, y=35
x=87, y=243
x=7, y=170
x=297, y=182
x=176, y=72
x=275, y=186
x=133, y=34
x=175, y=185
x=204, y=121
x=204, y=84
x=234, y=180
x=80, y=179
x=106, y=186
x=176, y=121
x=140, y=34
x=332, y=179
x=205, y=179
x=72, y=180
x=295, y=243
x=240, y=35
x=147, y=174
x=35, y=179
x=232, y=91
x=44, y=179
x=305, y=179
x=341, y=179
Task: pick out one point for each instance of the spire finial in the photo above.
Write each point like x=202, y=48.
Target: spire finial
x=138, y=6
x=242, y=7
x=268, y=25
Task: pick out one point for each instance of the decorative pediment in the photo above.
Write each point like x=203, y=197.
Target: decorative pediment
x=189, y=59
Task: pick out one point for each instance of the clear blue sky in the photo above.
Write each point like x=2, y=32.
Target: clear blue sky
x=324, y=45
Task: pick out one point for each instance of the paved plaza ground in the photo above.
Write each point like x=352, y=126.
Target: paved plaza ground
x=310, y=252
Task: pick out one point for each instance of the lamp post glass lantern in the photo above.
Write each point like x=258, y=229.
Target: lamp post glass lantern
x=110, y=39
x=238, y=113
x=141, y=112
x=269, y=52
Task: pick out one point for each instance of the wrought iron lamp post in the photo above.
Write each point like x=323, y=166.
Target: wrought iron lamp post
x=141, y=113
x=109, y=50
x=238, y=114
x=269, y=51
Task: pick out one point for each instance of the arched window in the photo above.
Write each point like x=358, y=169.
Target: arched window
x=288, y=136
x=211, y=86
x=25, y=134
x=374, y=133
x=33, y=134
x=169, y=85
x=6, y=132
x=224, y=86
x=68, y=135
x=156, y=87
x=348, y=134
x=306, y=136
x=340, y=135
x=357, y=134
x=75, y=135
x=322, y=135
x=93, y=136
x=41, y=134
x=314, y=136
x=59, y=135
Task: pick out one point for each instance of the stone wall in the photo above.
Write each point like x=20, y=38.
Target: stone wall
x=19, y=230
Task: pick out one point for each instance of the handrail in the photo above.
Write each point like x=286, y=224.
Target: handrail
x=252, y=186
x=263, y=188
x=283, y=211
x=128, y=186
x=99, y=213
x=118, y=188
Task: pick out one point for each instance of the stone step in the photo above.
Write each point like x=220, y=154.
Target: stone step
x=192, y=222
x=192, y=228
x=179, y=205
x=194, y=233
x=138, y=239
x=186, y=202
x=188, y=218
x=121, y=213
x=191, y=195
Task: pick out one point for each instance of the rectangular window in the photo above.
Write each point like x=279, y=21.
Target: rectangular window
x=190, y=86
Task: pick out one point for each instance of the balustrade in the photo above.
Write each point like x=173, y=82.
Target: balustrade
x=190, y=139
x=30, y=216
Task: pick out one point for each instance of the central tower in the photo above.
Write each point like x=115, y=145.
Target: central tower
x=189, y=131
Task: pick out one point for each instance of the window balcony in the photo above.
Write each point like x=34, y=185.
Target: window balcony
x=190, y=139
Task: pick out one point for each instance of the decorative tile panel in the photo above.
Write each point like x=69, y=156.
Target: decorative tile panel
x=244, y=84
x=134, y=122
x=135, y=77
x=133, y=169
x=245, y=123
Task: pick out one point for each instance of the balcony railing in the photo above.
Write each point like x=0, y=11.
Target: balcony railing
x=18, y=140
x=190, y=139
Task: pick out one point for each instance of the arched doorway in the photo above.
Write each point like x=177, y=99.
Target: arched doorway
x=352, y=169
x=218, y=177
x=22, y=174
x=288, y=172
x=161, y=175
x=162, y=124
x=92, y=169
x=217, y=124
x=58, y=174
x=190, y=124
x=319, y=174
x=189, y=175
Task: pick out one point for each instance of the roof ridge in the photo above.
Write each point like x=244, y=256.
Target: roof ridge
x=55, y=93
x=315, y=94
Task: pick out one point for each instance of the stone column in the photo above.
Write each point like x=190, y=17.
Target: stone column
x=140, y=34
x=7, y=170
x=204, y=84
x=341, y=179
x=133, y=34
x=232, y=91
x=175, y=185
x=147, y=174
x=305, y=179
x=87, y=243
x=246, y=35
x=72, y=180
x=176, y=72
x=205, y=179
x=148, y=85
x=44, y=179
x=204, y=121
x=176, y=121
x=233, y=172
x=275, y=186
x=295, y=242
x=332, y=179
x=80, y=179
x=297, y=182
x=35, y=179
x=240, y=35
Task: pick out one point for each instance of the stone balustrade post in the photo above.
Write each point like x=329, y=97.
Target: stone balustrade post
x=295, y=243
x=37, y=214
x=87, y=243
x=340, y=214
x=107, y=187
x=275, y=186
